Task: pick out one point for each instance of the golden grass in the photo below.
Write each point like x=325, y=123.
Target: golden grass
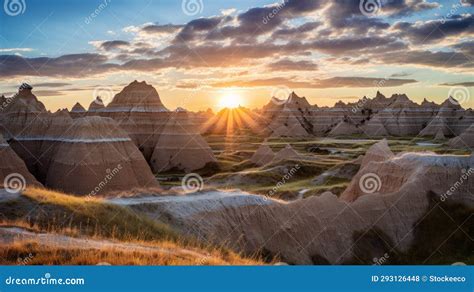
x=32, y=253
x=42, y=210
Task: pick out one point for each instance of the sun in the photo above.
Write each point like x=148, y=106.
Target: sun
x=230, y=100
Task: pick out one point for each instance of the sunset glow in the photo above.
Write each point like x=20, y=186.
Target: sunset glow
x=230, y=100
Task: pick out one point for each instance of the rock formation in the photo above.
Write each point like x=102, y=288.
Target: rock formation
x=139, y=111
x=94, y=157
x=465, y=140
x=323, y=229
x=78, y=108
x=380, y=151
x=263, y=155
x=286, y=153
x=97, y=105
x=13, y=172
x=374, y=127
x=439, y=136
x=181, y=147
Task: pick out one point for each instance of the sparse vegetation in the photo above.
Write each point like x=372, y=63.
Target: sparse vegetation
x=41, y=210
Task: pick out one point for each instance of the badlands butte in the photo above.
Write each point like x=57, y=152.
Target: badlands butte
x=383, y=180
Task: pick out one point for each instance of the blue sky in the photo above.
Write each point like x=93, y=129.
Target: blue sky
x=59, y=23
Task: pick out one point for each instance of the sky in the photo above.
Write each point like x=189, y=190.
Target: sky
x=197, y=52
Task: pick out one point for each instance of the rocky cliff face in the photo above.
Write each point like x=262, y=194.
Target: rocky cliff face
x=377, y=117
x=324, y=229
x=13, y=171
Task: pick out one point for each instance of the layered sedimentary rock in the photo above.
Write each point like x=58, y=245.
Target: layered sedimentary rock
x=263, y=155
x=97, y=105
x=20, y=113
x=380, y=151
x=451, y=119
x=95, y=156
x=286, y=153
x=13, y=171
x=323, y=229
x=288, y=118
x=181, y=147
x=344, y=129
x=287, y=125
x=377, y=117
x=465, y=140
x=139, y=111
x=23, y=123
x=78, y=111
x=374, y=127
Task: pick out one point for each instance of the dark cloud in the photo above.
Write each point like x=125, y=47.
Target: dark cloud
x=428, y=58
x=465, y=84
x=347, y=14
x=49, y=93
x=114, y=45
x=47, y=84
x=335, y=82
x=401, y=74
x=197, y=28
x=360, y=44
x=75, y=65
x=467, y=48
x=290, y=32
x=289, y=65
x=435, y=30
x=162, y=29
x=398, y=8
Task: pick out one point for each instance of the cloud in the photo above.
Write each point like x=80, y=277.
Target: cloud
x=289, y=65
x=428, y=58
x=161, y=29
x=335, y=82
x=114, y=45
x=436, y=30
x=465, y=84
x=75, y=65
x=52, y=84
x=401, y=74
x=291, y=31
x=13, y=50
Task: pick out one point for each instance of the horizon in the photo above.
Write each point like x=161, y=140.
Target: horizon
x=234, y=105
x=204, y=56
